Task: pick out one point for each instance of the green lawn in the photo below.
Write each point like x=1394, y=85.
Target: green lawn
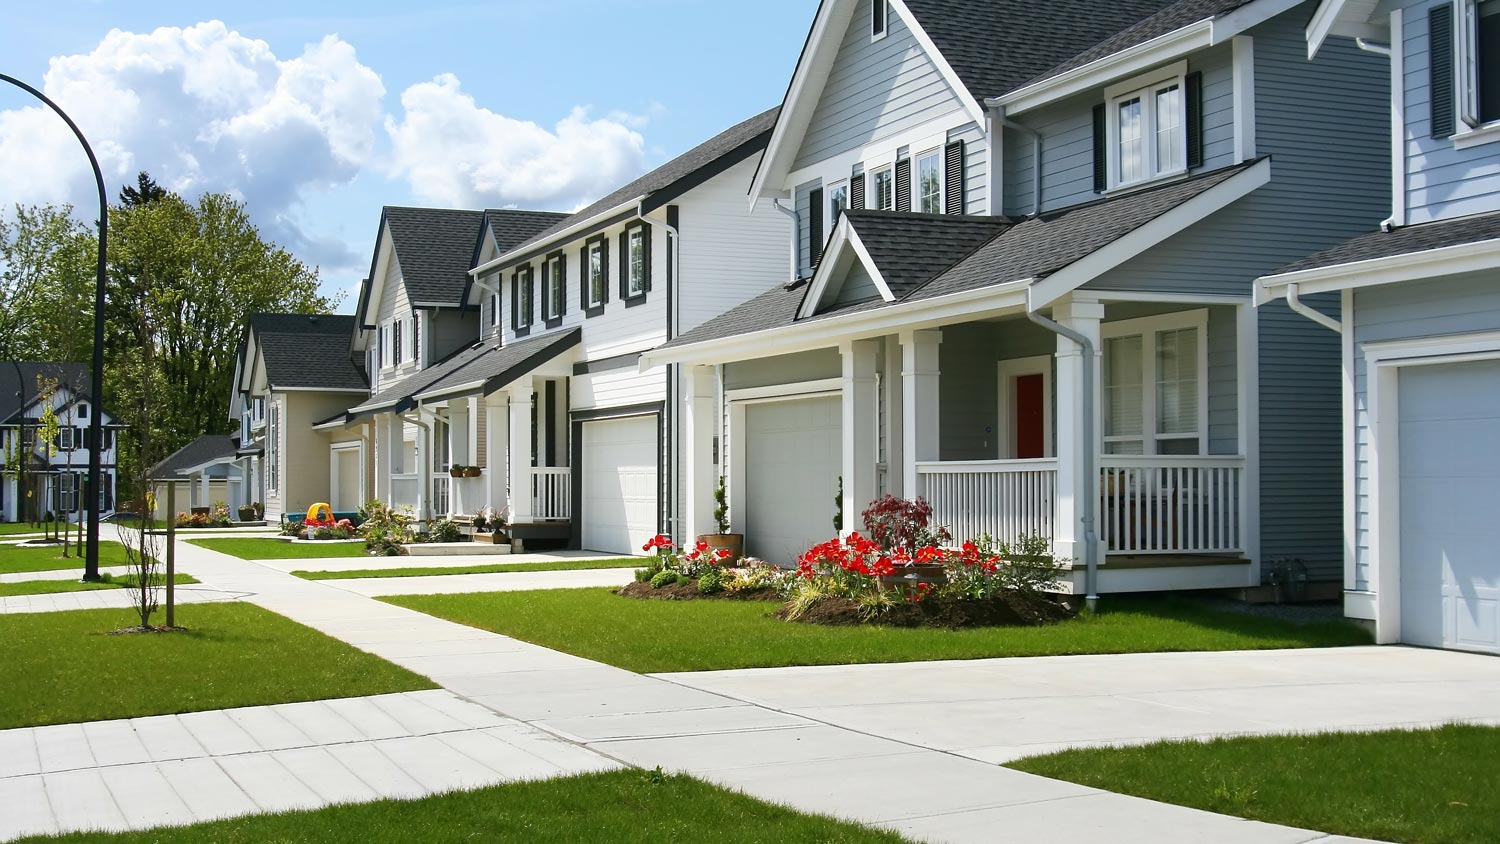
x=267, y=548
x=233, y=655
x=621, y=807
x=13, y=528
x=1424, y=787
x=49, y=557
x=47, y=587
x=556, y=565
x=652, y=636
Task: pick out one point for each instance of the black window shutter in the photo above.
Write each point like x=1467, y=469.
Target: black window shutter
x=815, y=228
x=903, y=185
x=604, y=260
x=1194, y=94
x=562, y=285
x=857, y=191
x=624, y=265
x=953, y=176
x=1440, y=69
x=546, y=290
x=646, y=254
x=584, y=281
x=515, y=301
x=1101, y=145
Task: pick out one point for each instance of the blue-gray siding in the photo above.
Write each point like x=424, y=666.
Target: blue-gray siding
x=1441, y=181
x=874, y=90
x=858, y=285
x=804, y=221
x=1428, y=308
x=976, y=168
x=784, y=369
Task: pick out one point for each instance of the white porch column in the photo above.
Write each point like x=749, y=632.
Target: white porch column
x=461, y=444
x=919, y=405
x=890, y=376
x=697, y=448
x=861, y=421
x=521, y=396
x=1073, y=487
x=203, y=490
x=496, y=442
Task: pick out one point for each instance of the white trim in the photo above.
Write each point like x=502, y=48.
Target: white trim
x=885, y=27
x=1145, y=89
x=1008, y=371
x=830, y=217
x=1247, y=401
x=1321, y=25
x=279, y=389
x=864, y=257
x=1163, y=48
x=1250, y=15
x=790, y=390
x=1384, y=362
x=1350, y=443
x=1479, y=256
x=1171, y=297
x=938, y=153
x=1398, y=119
x=879, y=152
x=1244, y=97
x=1144, y=237
x=971, y=105
x=1359, y=604
x=1147, y=328
x=1176, y=70
x=1486, y=134
x=844, y=237
x=565, y=236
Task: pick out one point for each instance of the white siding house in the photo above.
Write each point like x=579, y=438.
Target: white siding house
x=40, y=477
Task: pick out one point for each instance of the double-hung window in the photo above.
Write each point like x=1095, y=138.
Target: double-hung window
x=1155, y=384
x=1148, y=127
x=273, y=450
x=396, y=343
x=554, y=302
x=523, y=297
x=883, y=188
x=596, y=273
x=65, y=439
x=495, y=309
x=1478, y=66
x=880, y=19
x=838, y=200
x=637, y=261
x=929, y=186
x=416, y=338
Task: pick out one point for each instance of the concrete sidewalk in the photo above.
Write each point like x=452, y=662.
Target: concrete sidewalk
x=105, y=599
x=180, y=769
x=460, y=561
x=454, y=584
x=779, y=756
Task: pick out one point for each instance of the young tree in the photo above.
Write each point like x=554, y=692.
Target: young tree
x=48, y=432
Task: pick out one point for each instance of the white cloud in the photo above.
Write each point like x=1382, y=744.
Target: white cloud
x=200, y=108
x=454, y=152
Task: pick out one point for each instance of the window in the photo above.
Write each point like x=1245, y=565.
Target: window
x=1148, y=127
x=65, y=439
x=596, y=270
x=442, y=452
x=838, y=200
x=929, y=187
x=273, y=450
x=416, y=337
x=1478, y=62
x=880, y=13
x=83, y=411
x=1155, y=384
x=637, y=262
x=396, y=343
x=67, y=486
x=524, y=297
x=554, y=282
x=883, y=188
x=494, y=310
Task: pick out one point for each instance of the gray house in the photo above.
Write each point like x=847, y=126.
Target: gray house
x=1028, y=236
x=1420, y=328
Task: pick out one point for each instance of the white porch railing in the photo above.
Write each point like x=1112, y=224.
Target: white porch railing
x=1172, y=505
x=406, y=492
x=442, y=488
x=1002, y=498
x=551, y=492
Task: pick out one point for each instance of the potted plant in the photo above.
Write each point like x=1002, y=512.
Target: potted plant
x=455, y=471
x=734, y=543
x=473, y=471
x=247, y=513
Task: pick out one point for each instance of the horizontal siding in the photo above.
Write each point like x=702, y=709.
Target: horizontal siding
x=874, y=90
x=857, y=286
x=729, y=254
x=784, y=369
x=1441, y=182
x=617, y=388
x=1429, y=308
x=976, y=168
x=804, y=222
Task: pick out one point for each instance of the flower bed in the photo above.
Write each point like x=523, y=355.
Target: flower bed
x=704, y=573
x=216, y=517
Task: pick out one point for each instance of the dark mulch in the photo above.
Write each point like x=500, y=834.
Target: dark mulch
x=1010, y=610
x=689, y=592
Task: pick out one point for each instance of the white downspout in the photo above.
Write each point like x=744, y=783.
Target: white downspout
x=424, y=465
x=796, y=237
x=1090, y=449
x=1294, y=301
x=674, y=376
x=1380, y=50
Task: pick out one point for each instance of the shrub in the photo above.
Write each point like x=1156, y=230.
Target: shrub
x=684, y=580
x=902, y=524
x=692, y=563
x=445, y=530
x=663, y=578
x=385, y=530
x=644, y=575
x=754, y=575
x=322, y=534
x=711, y=583
x=291, y=528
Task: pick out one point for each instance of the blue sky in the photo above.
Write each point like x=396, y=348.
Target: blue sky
x=318, y=118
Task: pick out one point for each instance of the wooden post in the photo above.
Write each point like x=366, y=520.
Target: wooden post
x=171, y=552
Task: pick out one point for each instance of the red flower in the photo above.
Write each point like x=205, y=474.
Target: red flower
x=657, y=542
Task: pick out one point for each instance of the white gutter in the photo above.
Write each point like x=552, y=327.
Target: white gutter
x=1294, y=301
x=1090, y=448
x=566, y=234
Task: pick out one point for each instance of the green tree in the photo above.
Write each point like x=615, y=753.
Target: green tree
x=48, y=430
x=47, y=272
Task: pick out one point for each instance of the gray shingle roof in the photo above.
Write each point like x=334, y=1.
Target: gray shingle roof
x=756, y=130
x=18, y=382
x=195, y=453
x=498, y=366
x=397, y=396
x=511, y=228
x=911, y=249
x=435, y=248
x=1402, y=241
x=308, y=351
x=1032, y=249
x=997, y=46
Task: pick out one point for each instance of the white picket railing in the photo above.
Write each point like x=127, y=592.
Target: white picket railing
x=1002, y=498
x=551, y=492
x=442, y=490
x=1172, y=505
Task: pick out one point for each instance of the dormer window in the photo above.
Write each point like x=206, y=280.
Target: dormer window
x=1479, y=62
x=1148, y=127
x=554, y=287
x=595, y=289
x=880, y=13
x=929, y=187
x=523, y=299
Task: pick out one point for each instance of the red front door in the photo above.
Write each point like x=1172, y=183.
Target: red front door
x=1031, y=417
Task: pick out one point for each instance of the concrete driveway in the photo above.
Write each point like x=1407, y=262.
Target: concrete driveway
x=998, y=710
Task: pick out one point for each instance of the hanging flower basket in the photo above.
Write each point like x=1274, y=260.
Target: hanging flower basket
x=473, y=471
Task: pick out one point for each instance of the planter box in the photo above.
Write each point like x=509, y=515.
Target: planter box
x=735, y=542
x=492, y=538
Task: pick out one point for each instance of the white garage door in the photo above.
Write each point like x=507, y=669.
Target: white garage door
x=619, y=484
x=792, y=462
x=1450, y=497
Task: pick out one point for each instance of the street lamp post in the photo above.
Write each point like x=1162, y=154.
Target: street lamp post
x=96, y=383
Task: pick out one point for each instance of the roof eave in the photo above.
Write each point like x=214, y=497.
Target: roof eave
x=603, y=219
x=1479, y=256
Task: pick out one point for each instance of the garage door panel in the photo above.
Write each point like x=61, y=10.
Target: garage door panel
x=793, y=459
x=1449, y=487
x=619, y=473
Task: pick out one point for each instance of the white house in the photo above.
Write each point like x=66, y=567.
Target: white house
x=1420, y=328
x=41, y=477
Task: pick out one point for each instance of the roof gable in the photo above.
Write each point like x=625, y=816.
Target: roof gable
x=306, y=351
x=435, y=249
x=18, y=387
